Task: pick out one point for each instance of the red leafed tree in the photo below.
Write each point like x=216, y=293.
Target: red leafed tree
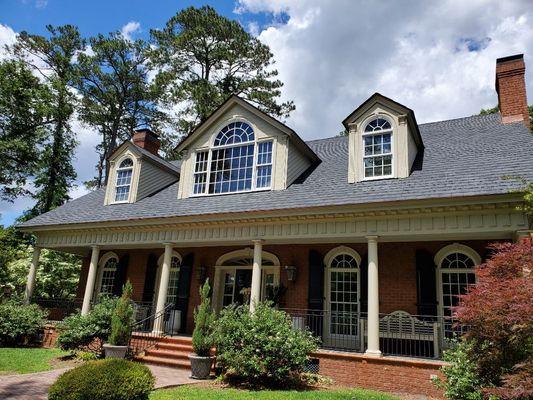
x=499, y=313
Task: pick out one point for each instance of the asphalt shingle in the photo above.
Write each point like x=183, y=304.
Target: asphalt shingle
x=462, y=157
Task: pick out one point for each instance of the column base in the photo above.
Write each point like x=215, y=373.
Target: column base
x=373, y=353
x=159, y=333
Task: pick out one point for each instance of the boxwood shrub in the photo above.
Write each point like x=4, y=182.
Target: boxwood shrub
x=261, y=348
x=20, y=323
x=110, y=379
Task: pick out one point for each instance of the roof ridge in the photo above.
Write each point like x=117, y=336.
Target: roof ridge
x=475, y=116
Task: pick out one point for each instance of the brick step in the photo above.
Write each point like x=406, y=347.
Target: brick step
x=174, y=355
x=174, y=347
x=165, y=362
x=185, y=340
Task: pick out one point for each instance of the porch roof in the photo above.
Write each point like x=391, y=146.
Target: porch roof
x=462, y=157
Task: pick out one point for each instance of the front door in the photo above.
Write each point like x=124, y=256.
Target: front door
x=342, y=315
x=236, y=286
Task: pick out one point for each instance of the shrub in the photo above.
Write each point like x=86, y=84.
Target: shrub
x=122, y=318
x=81, y=332
x=20, y=323
x=462, y=381
x=103, y=380
x=202, y=336
x=261, y=347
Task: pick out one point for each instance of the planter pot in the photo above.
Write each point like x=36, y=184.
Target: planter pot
x=111, y=351
x=200, y=366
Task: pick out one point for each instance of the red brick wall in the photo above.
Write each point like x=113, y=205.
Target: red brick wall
x=511, y=88
x=386, y=374
x=397, y=270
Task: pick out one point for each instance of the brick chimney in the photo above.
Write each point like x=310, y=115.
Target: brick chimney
x=146, y=139
x=511, y=88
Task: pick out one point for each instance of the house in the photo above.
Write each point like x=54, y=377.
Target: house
x=372, y=235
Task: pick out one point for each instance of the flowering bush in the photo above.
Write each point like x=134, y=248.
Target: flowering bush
x=261, y=347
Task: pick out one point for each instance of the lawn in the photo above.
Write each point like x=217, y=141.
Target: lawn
x=213, y=393
x=27, y=360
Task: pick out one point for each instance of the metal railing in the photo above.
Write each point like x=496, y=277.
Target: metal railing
x=147, y=330
x=401, y=334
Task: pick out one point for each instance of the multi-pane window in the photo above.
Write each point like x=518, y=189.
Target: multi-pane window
x=108, y=276
x=123, y=184
x=264, y=164
x=377, y=145
x=173, y=280
x=236, y=163
x=344, y=296
x=457, y=275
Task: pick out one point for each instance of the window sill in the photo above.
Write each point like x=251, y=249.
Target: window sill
x=378, y=178
x=230, y=193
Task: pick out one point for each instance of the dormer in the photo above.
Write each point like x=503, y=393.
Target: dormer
x=136, y=170
x=384, y=140
x=241, y=149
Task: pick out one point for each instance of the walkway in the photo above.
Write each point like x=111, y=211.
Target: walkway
x=35, y=386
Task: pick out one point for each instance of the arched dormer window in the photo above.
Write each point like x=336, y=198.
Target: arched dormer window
x=236, y=162
x=377, y=149
x=123, y=183
x=456, y=274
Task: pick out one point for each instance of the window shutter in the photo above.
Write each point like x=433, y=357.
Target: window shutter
x=120, y=275
x=149, y=280
x=363, y=297
x=426, y=283
x=184, y=285
x=315, y=291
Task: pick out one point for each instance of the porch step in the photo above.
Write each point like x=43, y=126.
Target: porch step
x=175, y=347
x=160, y=353
x=165, y=362
x=169, y=351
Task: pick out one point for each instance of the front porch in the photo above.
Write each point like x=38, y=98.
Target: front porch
x=378, y=298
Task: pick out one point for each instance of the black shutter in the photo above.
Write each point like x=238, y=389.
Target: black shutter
x=120, y=275
x=184, y=285
x=426, y=283
x=316, y=292
x=150, y=277
x=363, y=298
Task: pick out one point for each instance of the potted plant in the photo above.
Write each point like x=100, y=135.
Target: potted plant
x=120, y=326
x=202, y=336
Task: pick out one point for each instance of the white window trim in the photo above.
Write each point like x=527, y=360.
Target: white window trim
x=118, y=169
x=112, y=180
x=254, y=170
x=330, y=256
x=158, y=273
x=439, y=258
x=392, y=152
x=101, y=264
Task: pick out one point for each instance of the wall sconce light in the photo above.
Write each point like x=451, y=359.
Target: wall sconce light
x=201, y=274
x=291, y=272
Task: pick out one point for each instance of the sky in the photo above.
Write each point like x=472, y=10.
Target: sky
x=437, y=58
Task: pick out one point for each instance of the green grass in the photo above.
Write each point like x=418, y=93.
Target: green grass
x=193, y=392
x=27, y=360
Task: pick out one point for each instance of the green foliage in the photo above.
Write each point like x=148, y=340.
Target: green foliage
x=116, y=93
x=204, y=57
x=79, y=332
x=462, y=381
x=261, y=347
x=22, y=115
x=122, y=318
x=104, y=380
x=20, y=323
x=204, y=318
x=55, y=174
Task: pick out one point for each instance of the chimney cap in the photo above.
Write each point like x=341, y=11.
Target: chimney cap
x=510, y=58
x=146, y=130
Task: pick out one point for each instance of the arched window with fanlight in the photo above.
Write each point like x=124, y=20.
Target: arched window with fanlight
x=123, y=181
x=107, y=271
x=236, y=162
x=456, y=275
x=377, y=149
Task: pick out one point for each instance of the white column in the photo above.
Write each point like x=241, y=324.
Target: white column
x=373, y=298
x=163, y=289
x=255, y=295
x=91, y=279
x=30, y=282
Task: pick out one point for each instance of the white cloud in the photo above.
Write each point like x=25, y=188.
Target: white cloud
x=436, y=58
x=7, y=38
x=130, y=28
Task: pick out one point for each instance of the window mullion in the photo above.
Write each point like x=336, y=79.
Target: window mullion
x=254, y=171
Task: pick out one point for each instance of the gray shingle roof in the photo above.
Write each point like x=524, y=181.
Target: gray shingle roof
x=462, y=157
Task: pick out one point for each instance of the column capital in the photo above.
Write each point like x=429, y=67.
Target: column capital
x=258, y=241
x=95, y=247
x=167, y=244
x=372, y=238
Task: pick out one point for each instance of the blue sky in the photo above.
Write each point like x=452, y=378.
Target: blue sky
x=434, y=57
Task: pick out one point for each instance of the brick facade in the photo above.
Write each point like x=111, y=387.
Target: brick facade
x=511, y=88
